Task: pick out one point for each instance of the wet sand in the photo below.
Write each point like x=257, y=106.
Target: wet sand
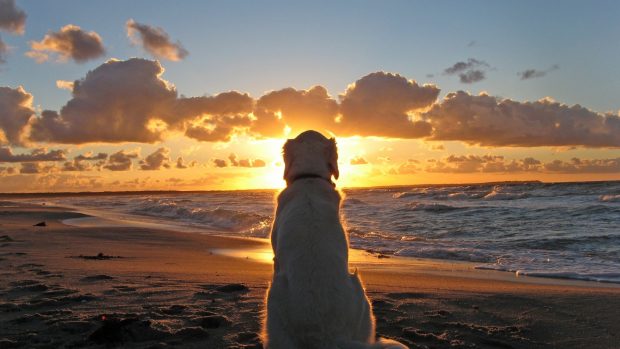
x=103, y=287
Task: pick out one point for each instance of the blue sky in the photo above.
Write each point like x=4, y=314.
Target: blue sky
x=256, y=46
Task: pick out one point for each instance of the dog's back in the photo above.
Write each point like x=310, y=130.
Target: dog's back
x=313, y=297
x=313, y=301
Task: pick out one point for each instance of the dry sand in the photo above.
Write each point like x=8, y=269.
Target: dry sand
x=74, y=287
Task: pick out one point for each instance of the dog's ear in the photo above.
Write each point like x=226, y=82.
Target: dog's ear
x=288, y=156
x=332, y=155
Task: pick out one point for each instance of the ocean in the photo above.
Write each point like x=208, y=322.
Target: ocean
x=561, y=230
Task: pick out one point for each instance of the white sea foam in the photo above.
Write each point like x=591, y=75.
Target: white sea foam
x=610, y=198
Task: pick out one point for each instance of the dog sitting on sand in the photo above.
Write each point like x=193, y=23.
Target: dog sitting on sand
x=313, y=301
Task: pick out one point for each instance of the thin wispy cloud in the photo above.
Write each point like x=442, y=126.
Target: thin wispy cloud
x=155, y=41
x=70, y=42
x=534, y=73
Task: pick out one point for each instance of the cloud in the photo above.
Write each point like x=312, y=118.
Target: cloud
x=156, y=160
x=467, y=71
x=577, y=165
x=71, y=42
x=128, y=101
x=358, y=160
x=36, y=168
x=65, y=85
x=121, y=161
x=409, y=167
x=471, y=76
x=490, y=121
x=498, y=164
x=4, y=50
x=181, y=164
x=78, y=165
x=12, y=19
x=155, y=41
x=114, y=103
x=41, y=154
x=220, y=163
x=89, y=156
x=15, y=114
x=380, y=104
x=534, y=73
x=234, y=162
x=298, y=109
x=4, y=170
x=212, y=118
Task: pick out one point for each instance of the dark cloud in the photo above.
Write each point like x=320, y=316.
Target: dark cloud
x=471, y=76
x=4, y=50
x=577, y=165
x=460, y=67
x=498, y=164
x=298, y=109
x=220, y=163
x=155, y=41
x=181, y=164
x=358, y=160
x=534, y=73
x=36, y=168
x=241, y=162
x=156, y=160
x=490, y=121
x=41, y=154
x=468, y=72
x=71, y=42
x=12, y=19
x=121, y=161
x=91, y=157
x=78, y=166
x=15, y=114
x=380, y=104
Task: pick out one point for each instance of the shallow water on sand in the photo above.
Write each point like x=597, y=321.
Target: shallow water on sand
x=565, y=230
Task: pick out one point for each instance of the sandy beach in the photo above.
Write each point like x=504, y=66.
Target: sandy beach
x=64, y=286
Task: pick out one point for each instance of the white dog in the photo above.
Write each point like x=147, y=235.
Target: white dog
x=314, y=302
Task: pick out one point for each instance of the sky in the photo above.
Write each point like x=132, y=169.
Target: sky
x=201, y=95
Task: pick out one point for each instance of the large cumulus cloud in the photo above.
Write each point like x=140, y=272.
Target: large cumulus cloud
x=298, y=109
x=16, y=111
x=155, y=41
x=128, y=101
x=70, y=42
x=491, y=121
x=381, y=104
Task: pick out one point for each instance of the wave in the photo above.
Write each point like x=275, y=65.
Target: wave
x=217, y=218
x=497, y=194
x=432, y=207
x=611, y=276
x=609, y=198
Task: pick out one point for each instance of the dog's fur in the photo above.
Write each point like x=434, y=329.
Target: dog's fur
x=313, y=301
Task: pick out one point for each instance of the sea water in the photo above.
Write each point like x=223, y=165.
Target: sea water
x=565, y=230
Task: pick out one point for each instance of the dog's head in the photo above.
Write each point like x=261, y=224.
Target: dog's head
x=310, y=154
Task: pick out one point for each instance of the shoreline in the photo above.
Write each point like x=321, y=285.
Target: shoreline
x=357, y=257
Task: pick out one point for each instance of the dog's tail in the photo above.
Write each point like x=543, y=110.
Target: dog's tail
x=381, y=343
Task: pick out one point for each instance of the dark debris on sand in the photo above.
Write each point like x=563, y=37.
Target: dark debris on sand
x=98, y=257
